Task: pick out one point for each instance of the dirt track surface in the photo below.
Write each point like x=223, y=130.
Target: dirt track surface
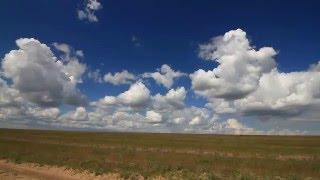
x=11, y=171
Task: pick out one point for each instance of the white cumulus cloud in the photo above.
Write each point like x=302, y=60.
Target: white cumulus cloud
x=165, y=75
x=40, y=76
x=239, y=70
x=247, y=81
x=118, y=78
x=174, y=99
x=138, y=95
x=283, y=94
x=153, y=117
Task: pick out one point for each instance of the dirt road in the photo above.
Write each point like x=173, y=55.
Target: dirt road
x=11, y=171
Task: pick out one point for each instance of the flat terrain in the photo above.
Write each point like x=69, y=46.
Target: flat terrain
x=178, y=156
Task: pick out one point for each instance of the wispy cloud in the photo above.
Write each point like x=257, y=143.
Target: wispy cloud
x=87, y=13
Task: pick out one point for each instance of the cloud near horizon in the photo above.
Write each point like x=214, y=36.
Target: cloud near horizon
x=36, y=83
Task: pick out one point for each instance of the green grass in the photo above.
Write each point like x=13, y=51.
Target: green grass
x=178, y=156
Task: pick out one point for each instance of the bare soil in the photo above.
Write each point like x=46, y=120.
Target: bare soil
x=29, y=171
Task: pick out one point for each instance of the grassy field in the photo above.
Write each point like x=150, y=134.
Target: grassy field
x=179, y=156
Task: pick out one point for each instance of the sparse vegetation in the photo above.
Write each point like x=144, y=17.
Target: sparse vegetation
x=173, y=156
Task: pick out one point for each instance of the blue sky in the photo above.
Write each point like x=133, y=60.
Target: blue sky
x=141, y=35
